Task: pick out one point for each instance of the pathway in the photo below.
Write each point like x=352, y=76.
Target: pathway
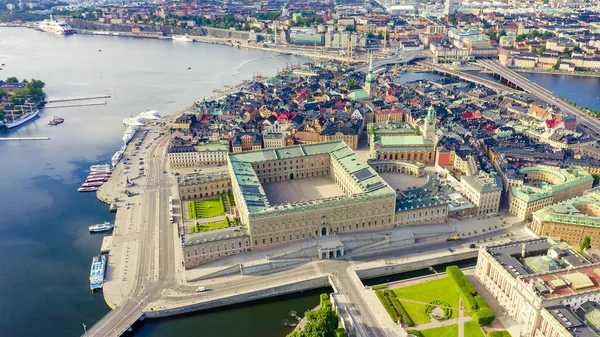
x=461, y=318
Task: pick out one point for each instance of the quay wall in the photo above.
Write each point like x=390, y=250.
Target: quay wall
x=295, y=287
x=235, y=269
x=397, y=268
x=270, y=266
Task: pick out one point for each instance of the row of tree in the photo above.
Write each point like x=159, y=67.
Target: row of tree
x=32, y=92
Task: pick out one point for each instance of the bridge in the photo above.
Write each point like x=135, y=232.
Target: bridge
x=436, y=68
x=403, y=58
x=515, y=79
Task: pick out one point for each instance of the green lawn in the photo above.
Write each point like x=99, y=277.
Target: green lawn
x=443, y=331
x=209, y=226
x=473, y=330
x=205, y=208
x=426, y=292
x=441, y=289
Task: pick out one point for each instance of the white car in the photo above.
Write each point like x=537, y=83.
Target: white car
x=200, y=289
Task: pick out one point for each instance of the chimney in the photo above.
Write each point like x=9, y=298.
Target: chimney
x=523, y=250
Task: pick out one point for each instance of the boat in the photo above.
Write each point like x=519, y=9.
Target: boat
x=94, y=184
x=129, y=133
x=56, y=120
x=116, y=157
x=135, y=121
x=53, y=26
x=101, y=227
x=182, y=38
x=97, y=272
x=100, y=167
x=87, y=189
x=24, y=118
x=99, y=174
x=96, y=180
x=149, y=114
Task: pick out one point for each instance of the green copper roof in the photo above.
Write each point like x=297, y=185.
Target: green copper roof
x=569, y=177
x=255, y=198
x=358, y=95
x=386, y=140
x=567, y=212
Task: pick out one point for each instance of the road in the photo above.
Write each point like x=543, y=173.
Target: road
x=403, y=57
x=541, y=92
x=156, y=268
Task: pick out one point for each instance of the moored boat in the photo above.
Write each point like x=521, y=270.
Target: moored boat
x=182, y=38
x=97, y=272
x=87, y=189
x=95, y=184
x=53, y=26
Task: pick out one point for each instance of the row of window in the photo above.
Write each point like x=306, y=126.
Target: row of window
x=209, y=249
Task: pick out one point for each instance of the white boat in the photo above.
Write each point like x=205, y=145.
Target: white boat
x=129, y=133
x=149, y=114
x=101, y=227
x=87, y=189
x=116, y=158
x=24, y=118
x=182, y=38
x=94, y=184
x=135, y=121
x=53, y=26
x=97, y=272
x=100, y=167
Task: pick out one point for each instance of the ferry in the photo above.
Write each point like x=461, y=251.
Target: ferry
x=101, y=227
x=182, y=38
x=129, y=133
x=97, y=272
x=53, y=26
x=135, y=121
x=149, y=114
x=24, y=118
x=56, y=121
x=87, y=189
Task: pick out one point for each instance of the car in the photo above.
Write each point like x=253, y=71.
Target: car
x=472, y=245
x=200, y=289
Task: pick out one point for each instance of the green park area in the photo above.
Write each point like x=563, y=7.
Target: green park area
x=202, y=209
x=442, y=331
x=472, y=329
x=437, y=300
x=440, y=291
x=211, y=225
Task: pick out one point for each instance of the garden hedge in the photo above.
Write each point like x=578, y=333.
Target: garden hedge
x=341, y=332
x=499, y=333
x=399, y=308
x=480, y=310
x=417, y=333
x=387, y=304
x=484, y=316
x=379, y=287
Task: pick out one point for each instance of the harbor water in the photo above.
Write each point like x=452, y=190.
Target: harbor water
x=45, y=246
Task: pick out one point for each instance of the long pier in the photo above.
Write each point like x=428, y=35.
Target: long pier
x=77, y=99
x=75, y=105
x=24, y=138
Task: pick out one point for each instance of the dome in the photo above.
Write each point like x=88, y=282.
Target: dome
x=538, y=264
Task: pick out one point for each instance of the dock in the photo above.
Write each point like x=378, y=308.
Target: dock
x=77, y=98
x=24, y=138
x=75, y=105
x=106, y=244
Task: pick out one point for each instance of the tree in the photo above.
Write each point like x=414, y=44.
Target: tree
x=596, y=179
x=351, y=28
x=586, y=243
x=372, y=130
x=417, y=131
x=12, y=80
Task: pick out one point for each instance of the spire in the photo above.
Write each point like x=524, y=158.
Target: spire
x=431, y=114
x=371, y=62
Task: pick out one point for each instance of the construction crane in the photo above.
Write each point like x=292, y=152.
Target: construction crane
x=315, y=56
x=278, y=63
x=385, y=40
x=395, y=70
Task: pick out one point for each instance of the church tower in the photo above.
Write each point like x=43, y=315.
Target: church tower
x=370, y=81
x=429, y=124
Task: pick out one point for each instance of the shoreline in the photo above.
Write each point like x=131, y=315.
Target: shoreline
x=210, y=40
